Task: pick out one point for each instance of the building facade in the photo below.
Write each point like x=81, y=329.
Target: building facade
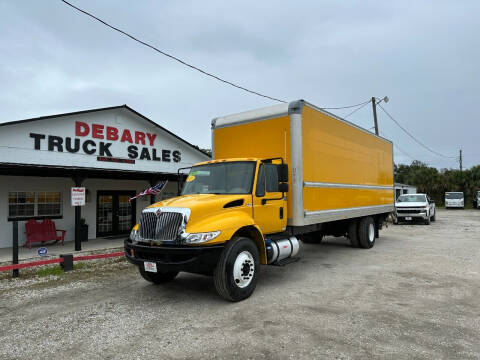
x=401, y=189
x=114, y=153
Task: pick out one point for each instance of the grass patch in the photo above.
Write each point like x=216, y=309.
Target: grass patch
x=54, y=270
x=81, y=270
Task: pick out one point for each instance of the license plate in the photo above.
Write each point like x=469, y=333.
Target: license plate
x=150, y=266
x=407, y=218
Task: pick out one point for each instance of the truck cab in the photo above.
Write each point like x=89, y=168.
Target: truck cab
x=230, y=199
x=454, y=199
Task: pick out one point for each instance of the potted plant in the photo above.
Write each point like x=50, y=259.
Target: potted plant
x=83, y=230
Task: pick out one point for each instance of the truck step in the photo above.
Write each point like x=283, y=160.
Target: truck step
x=286, y=261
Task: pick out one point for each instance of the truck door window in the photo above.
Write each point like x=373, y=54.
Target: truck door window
x=260, y=191
x=271, y=176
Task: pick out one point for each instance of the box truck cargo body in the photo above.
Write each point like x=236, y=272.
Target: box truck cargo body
x=280, y=174
x=338, y=170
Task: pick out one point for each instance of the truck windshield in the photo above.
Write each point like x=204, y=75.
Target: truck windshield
x=411, y=198
x=221, y=178
x=454, y=195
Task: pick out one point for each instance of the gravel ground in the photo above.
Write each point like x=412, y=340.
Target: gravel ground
x=416, y=294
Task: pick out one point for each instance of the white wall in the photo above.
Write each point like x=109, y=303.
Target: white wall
x=89, y=211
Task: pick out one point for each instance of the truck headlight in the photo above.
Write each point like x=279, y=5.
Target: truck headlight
x=197, y=238
x=134, y=234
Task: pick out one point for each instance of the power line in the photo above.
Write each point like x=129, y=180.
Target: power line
x=398, y=147
x=171, y=56
x=413, y=137
x=345, y=107
x=361, y=107
x=195, y=67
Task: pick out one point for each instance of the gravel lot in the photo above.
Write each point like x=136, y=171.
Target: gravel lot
x=416, y=294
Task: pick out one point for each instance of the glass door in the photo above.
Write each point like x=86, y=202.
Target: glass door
x=124, y=213
x=115, y=214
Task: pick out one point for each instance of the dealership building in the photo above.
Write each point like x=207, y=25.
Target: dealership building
x=114, y=153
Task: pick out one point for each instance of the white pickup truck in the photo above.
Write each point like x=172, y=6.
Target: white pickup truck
x=414, y=206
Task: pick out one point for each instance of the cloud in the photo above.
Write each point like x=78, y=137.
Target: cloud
x=422, y=54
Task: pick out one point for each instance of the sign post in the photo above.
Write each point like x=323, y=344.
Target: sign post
x=78, y=199
x=15, y=248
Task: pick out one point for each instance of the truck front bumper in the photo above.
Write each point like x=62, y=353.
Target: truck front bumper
x=194, y=259
x=401, y=216
x=454, y=205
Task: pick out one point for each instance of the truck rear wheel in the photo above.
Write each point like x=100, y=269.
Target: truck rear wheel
x=366, y=232
x=158, y=278
x=235, y=276
x=353, y=233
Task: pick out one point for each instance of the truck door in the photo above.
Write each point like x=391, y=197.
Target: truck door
x=269, y=206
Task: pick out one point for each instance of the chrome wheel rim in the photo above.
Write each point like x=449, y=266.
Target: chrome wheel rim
x=371, y=233
x=243, y=269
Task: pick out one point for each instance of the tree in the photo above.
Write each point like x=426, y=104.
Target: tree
x=435, y=183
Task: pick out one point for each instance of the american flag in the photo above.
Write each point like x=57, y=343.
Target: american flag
x=154, y=190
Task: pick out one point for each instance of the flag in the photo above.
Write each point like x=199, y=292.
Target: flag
x=154, y=190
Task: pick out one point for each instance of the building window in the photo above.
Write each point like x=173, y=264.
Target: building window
x=49, y=204
x=21, y=204
x=24, y=204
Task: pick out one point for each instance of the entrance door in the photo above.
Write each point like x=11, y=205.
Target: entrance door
x=115, y=214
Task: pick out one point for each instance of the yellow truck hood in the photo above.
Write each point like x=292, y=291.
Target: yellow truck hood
x=209, y=212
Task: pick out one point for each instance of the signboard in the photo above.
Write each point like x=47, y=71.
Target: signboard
x=78, y=196
x=42, y=251
x=117, y=138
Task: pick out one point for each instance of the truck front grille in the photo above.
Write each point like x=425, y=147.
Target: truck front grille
x=162, y=227
x=410, y=211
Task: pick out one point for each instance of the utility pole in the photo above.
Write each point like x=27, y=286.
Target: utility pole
x=374, y=107
x=460, y=159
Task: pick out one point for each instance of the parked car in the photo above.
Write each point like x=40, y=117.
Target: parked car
x=410, y=207
x=454, y=199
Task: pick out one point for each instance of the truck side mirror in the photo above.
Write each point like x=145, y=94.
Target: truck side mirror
x=283, y=187
x=282, y=173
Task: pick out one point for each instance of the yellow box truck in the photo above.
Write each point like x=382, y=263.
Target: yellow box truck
x=279, y=174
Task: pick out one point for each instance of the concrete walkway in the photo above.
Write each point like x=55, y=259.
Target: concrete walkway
x=93, y=245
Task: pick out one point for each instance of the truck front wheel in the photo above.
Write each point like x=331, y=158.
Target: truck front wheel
x=158, y=278
x=235, y=276
x=366, y=232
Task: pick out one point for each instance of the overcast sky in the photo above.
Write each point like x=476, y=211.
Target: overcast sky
x=424, y=55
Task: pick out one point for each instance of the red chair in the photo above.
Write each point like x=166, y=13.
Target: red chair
x=42, y=232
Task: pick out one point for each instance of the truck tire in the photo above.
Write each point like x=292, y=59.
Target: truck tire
x=235, y=276
x=366, y=232
x=315, y=237
x=433, y=218
x=158, y=278
x=427, y=221
x=353, y=233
